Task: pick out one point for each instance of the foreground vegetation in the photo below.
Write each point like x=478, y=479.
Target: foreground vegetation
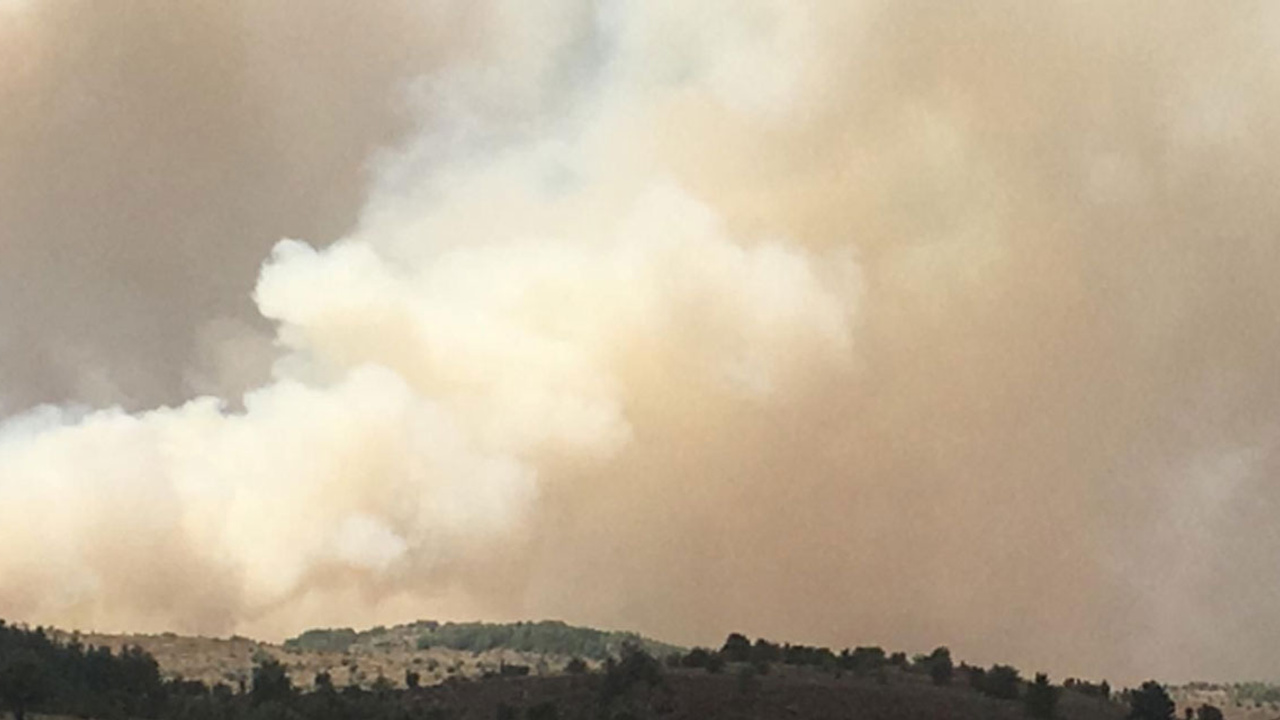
x=741, y=679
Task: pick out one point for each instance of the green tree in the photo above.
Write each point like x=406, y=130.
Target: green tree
x=635, y=666
x=737, y=648
x=1150, y=702
x=1042, y=698
x=1208, y=712
x=765, y=651
x=271, y=682
x=940, y=666
x=24, y=682
x=1001, y=681
x=697, y=658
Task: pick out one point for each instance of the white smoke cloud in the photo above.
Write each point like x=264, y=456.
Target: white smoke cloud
x=495, y=315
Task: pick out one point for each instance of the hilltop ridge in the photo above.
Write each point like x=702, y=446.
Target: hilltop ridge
x=435, y=650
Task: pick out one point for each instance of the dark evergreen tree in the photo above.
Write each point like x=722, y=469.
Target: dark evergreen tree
x=24, y=682
x=940, y=666
x=1001, y=681
x=737, y=648
x=765, y=651
x=1042, y=698
x=1208, y=712
x=271, y=682
x=1150, y=702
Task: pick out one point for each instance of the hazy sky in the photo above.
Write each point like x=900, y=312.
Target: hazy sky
x=904, y=323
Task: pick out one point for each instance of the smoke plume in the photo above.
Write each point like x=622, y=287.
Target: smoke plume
x=896, y=323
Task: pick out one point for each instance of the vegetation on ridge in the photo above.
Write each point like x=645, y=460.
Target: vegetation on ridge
x=546, y=637
x=742, y=679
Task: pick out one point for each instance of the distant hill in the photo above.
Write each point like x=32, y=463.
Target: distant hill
x=1238, y=701
x=435, y=651
x=546, y=637
x=343, y=674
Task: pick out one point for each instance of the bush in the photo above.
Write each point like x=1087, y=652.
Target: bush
x=576, y=666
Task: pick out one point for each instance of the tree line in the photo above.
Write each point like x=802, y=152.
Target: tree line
x=41, y=674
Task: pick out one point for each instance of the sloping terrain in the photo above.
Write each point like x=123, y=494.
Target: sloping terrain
x=435, y=651
x=1237, y=701
x=342, y=674
x=785, y=693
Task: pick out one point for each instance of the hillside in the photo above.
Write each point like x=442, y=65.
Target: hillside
x=66, y=675
x=493, y=672
x=1238, y=701
x=435, y=651
x=547, y=637
x=782, y=694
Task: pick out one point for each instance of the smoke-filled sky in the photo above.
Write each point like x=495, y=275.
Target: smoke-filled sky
x=904, y=323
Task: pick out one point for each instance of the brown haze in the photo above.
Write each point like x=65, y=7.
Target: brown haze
x=907, y=322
